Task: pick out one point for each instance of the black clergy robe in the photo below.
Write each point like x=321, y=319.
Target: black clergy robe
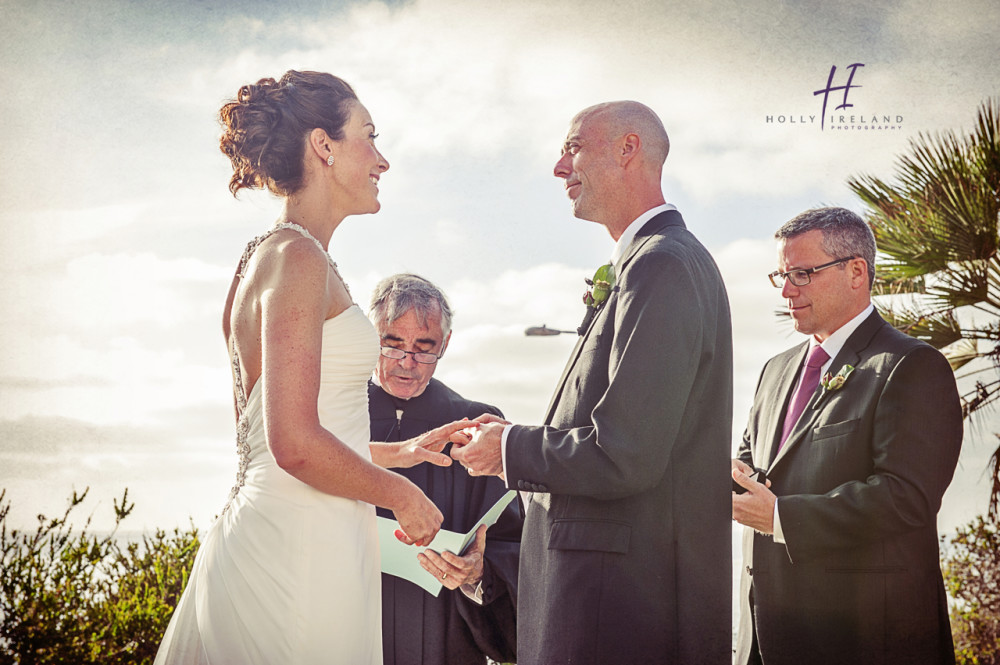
x=450, y=629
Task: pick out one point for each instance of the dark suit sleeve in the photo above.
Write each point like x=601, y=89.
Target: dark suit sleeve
x=659, y=325
x=915, y=442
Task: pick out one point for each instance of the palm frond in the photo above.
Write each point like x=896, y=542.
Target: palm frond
x=939, y=329
x=960, y=353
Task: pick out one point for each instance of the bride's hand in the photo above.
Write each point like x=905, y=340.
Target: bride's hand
x=424, y=448
x=418, y=517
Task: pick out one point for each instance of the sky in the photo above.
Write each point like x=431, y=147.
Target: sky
x=119, y=238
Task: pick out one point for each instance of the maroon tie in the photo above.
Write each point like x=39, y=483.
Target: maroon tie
x=810, y=379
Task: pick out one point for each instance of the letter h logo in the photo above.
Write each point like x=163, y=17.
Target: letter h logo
x=831, y=88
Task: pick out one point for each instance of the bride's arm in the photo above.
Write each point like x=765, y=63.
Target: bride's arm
x=296, y=298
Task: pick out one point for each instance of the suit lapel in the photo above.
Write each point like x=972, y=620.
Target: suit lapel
x=652, y=228
x=787, y=379
x=850, y=354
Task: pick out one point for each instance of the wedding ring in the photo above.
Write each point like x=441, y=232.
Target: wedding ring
x=444, y=576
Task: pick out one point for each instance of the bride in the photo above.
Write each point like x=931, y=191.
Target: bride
x=289, y=572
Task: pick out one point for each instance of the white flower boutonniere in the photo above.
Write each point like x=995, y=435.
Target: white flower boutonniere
x=832, y=383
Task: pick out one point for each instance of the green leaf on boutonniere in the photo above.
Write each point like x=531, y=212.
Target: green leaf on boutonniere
x=832, y=383
x=601, y=286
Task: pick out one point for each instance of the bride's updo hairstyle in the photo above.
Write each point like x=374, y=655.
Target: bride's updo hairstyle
x=265, y=129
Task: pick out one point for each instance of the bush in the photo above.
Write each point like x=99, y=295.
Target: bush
x=971, y=565
x=77, y=597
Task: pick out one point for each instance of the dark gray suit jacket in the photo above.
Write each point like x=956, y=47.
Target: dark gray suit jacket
x=626, y=555
x=859, y=484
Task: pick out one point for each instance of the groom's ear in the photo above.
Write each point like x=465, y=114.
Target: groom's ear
x=630, y=145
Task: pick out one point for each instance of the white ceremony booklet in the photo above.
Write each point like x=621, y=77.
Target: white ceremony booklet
x=400, y=559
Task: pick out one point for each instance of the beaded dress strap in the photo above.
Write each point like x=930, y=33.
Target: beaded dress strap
x=241, y=396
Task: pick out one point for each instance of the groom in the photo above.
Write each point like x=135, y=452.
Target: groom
x=626, y=551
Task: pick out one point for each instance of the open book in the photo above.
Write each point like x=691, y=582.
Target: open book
x=401, y=560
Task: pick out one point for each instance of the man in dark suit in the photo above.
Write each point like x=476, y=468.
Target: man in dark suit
x=474, y=616
x=626, y=555
x=841, y=560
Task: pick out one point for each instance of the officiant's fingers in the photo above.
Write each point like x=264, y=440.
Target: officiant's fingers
x=450, y=576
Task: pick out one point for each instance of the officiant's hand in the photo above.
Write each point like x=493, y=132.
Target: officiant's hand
x=481, y=456
x=424, y=448
x=454, y=570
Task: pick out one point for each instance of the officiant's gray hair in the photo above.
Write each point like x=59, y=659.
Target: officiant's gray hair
x=396, y=295
x=844, y=234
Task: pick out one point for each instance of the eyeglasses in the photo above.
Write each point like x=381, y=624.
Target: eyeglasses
x=422, y=357
x=802, y=276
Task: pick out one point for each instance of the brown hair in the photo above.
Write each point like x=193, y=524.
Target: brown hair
x=266, y=126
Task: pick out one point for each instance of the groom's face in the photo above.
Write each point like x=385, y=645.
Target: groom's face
x=586, y=166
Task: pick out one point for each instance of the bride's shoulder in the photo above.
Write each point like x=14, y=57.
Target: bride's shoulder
x=286, y=254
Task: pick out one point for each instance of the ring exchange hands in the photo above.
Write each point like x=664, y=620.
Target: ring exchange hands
x=453, y=570
x=426, y=447
x=755, y=507
x=478, y=447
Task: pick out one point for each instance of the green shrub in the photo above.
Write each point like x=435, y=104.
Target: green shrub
x=971, y=565
x=70, y=596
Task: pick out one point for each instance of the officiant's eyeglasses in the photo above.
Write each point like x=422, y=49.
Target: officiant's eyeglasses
x=421, y=357
x=802, y=276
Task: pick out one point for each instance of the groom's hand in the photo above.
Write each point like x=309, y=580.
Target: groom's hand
x=482, y=456
x=755, y=507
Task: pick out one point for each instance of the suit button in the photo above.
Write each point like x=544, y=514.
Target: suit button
x=749, y=571
x=520, y=484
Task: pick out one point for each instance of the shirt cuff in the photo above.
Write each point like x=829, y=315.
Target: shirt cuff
x=473, y=592
x=779, y=535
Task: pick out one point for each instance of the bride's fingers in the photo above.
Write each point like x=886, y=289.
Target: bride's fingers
x=435, y=458
x=402, y=537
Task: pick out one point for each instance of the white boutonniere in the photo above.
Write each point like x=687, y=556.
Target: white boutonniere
x=831, y=382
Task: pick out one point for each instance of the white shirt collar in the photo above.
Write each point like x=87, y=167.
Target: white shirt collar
x=835, y=342
x=629, y=233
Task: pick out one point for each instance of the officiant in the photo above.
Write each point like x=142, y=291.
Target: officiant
x=474, y=615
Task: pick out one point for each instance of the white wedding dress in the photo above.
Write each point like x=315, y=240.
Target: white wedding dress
x=288, y=574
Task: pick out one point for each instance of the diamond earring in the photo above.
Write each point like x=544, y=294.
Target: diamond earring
x=329, y=160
